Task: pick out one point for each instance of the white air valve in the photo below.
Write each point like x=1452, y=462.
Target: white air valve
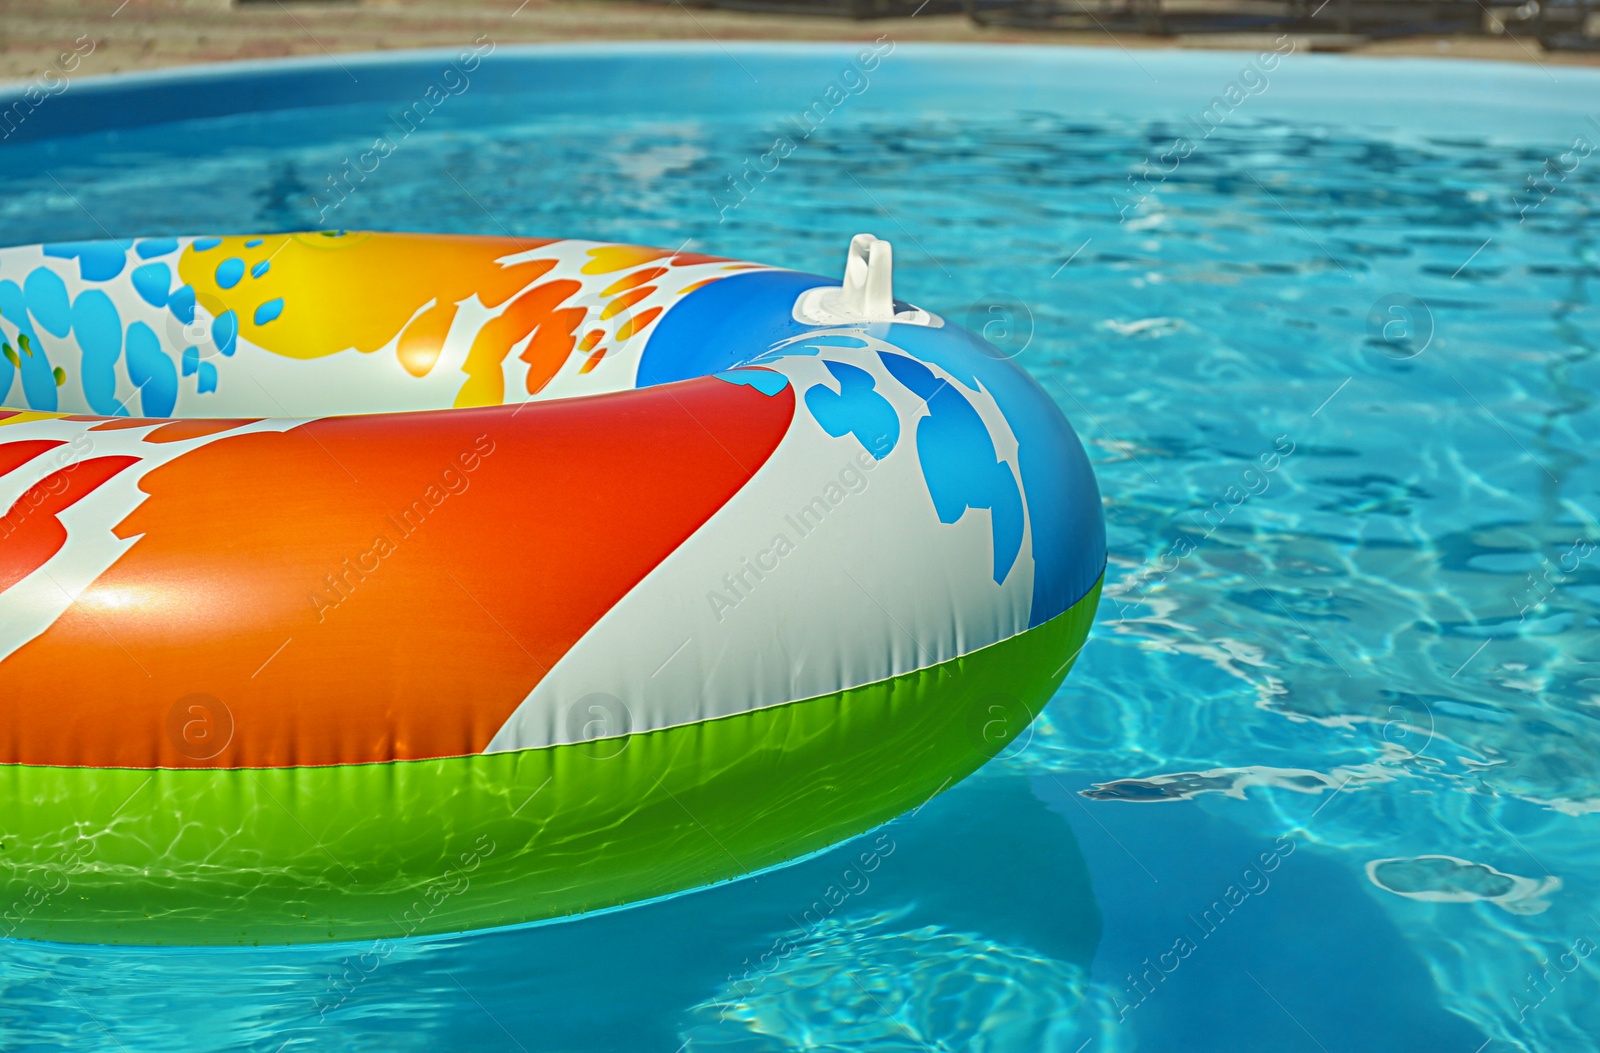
x=867, y=294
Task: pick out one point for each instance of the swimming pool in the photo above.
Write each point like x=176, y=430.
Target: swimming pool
x=1324, y=777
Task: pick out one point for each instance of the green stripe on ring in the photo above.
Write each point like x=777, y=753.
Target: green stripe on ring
x=300, y=855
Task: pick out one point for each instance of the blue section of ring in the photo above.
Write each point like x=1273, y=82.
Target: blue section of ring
x=738, y=319
x=724, y=324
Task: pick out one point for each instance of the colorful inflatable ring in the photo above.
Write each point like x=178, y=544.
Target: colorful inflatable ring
x=365, y=585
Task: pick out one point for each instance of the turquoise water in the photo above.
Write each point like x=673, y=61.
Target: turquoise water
x=1325, y=776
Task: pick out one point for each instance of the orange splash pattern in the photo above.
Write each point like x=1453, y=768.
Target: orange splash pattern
x=625, y=301
x=608, y=259
x=413, y=288
x=628, y=281
x=637, y=323
x=398, y=275
x=536, y=312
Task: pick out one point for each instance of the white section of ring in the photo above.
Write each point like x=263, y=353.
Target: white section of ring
x=872, y=587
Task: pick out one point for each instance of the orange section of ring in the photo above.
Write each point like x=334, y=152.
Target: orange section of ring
x=375, y=588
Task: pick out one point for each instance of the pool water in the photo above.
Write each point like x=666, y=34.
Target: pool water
x=1325, y=777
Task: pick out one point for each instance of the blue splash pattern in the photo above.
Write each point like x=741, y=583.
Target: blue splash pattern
x=268, y=311
x=225, y=331
x=766, y=381
x=151, y=371
x=229, y=271
x=47, y=301
x=855, y=409
x=181, y=303
x=959, y=461
x=153, y=283
x=42, y=304
x=1068, y=537
x=26, y=356
x=152, y=247
x=99, y=331
x=98, y=261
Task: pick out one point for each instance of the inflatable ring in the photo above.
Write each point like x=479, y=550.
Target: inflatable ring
x=367, y=585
